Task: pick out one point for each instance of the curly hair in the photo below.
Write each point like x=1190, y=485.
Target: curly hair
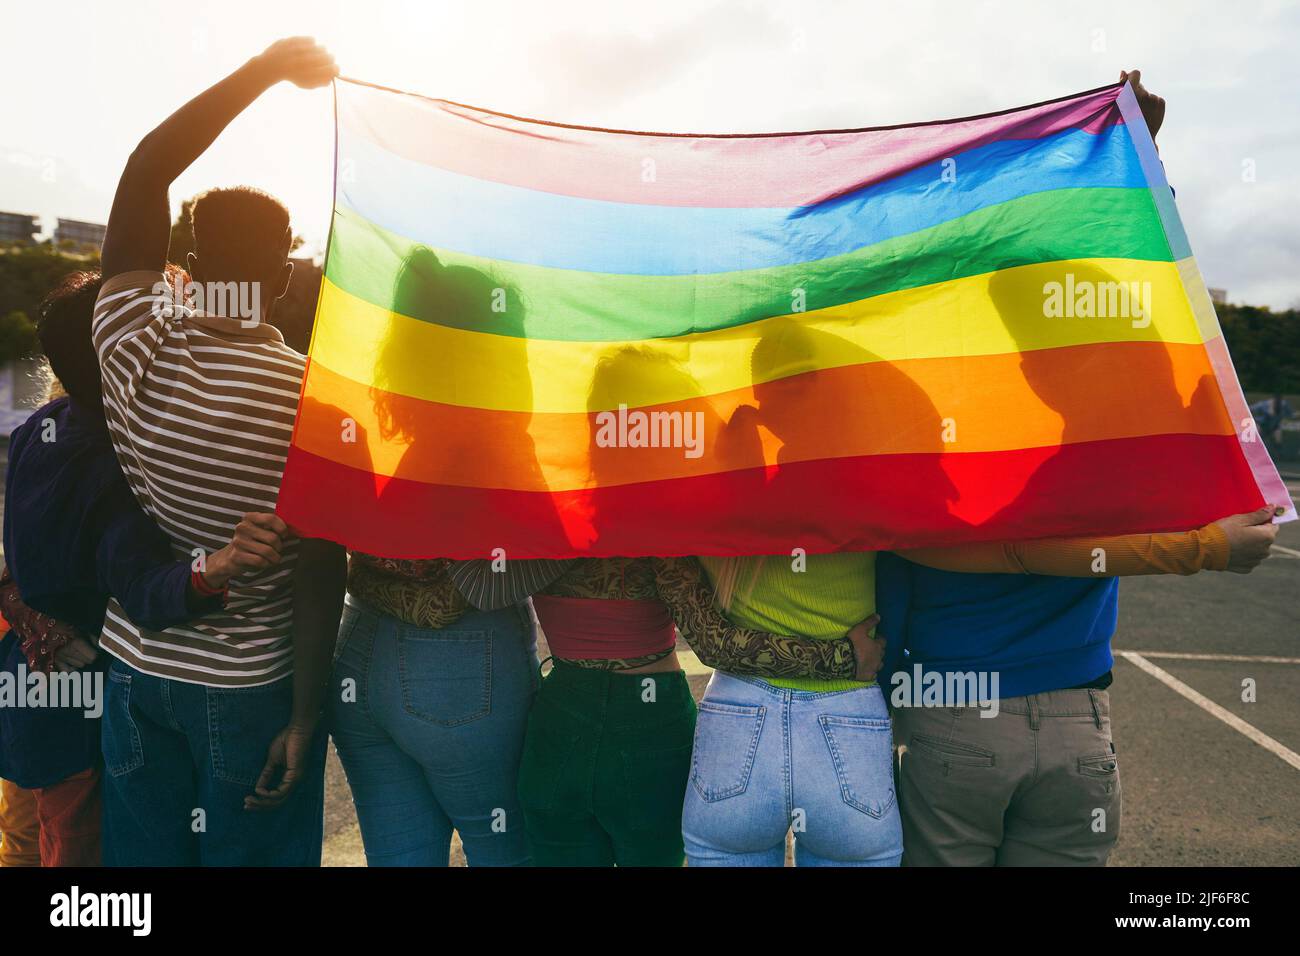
x=64, y=327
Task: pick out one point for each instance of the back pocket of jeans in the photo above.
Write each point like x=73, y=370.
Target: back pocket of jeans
x=446, y=676
x=242, y=722
x=862, y=752
x=726, y=741
x=118, y=733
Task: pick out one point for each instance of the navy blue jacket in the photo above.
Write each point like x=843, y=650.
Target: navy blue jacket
x=73, y=535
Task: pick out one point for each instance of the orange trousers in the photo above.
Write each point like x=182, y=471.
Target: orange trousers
x=51, y=826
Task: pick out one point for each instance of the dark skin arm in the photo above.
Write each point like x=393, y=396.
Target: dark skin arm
x=139, y=225
x=1153, y=107
x=136, y=239
x=319, y=580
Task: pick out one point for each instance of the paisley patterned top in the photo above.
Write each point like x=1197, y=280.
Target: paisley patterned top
x=422, y=593
x=417, y=592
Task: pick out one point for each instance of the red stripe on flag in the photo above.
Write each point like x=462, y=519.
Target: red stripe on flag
x=1117, y=486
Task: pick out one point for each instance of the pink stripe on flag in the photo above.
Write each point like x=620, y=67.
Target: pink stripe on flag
x=766, y=170
x=1267, y=480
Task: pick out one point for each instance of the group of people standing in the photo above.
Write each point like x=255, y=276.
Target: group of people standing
x=141, y=545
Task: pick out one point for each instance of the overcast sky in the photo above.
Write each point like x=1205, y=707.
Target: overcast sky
x=85, y=80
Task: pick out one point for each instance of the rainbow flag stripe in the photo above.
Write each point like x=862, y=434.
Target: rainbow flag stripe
x=560, y=341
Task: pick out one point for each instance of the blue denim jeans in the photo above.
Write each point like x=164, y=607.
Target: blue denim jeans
x=768, y=760
x=179, y=758
x=429, y=725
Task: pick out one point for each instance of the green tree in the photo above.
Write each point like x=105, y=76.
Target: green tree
x=28, y=272
x=1265, y=347
x=18, y=337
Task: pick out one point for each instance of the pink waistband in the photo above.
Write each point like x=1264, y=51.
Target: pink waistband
x=599, y=629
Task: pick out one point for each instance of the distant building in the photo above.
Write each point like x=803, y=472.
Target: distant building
x=23, y=389
x=16, y=226
x=1219, y=296
x=81, y=233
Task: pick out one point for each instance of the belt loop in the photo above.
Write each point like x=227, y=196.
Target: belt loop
x=1035, y=718
x=1096, y=707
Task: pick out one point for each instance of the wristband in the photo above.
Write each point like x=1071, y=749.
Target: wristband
x=204, y=588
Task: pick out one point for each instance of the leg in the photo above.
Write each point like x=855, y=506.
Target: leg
x=1070, y=815
x=71, y=813
x=465, y=695
x=736, y=811
x=956, y=780
x=567, y=839
x=230, y=730
x=148, y=789
x=556, y=772
x=845, y=811
x=643, y=766
x=401, y=822
x=20, y=829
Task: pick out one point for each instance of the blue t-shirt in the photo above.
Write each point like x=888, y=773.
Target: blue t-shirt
x=1037, y=633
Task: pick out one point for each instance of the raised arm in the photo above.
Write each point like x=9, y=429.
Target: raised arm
x=684, y=587
x=1238, y=543
x=139, y=225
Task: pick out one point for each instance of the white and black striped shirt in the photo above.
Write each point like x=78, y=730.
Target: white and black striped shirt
x=201, y=411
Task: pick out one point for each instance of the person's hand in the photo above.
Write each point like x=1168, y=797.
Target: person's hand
x=300, y=60
x=1250, y=536
x=870, y=651
x=75, y=654
x=286, y=762
x=255, y=546
x=1153, y=107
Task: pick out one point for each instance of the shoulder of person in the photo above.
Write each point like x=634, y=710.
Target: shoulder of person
x=53, y=412
x=147, y=281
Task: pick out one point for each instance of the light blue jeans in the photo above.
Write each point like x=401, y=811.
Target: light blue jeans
x=429, y=726
x=768, y=760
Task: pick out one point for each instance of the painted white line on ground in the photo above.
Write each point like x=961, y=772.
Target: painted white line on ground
x=1289, y=552
x=1210, y=707
x=1235, y=658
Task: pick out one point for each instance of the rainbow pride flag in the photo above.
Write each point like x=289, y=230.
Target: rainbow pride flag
x=558, y=340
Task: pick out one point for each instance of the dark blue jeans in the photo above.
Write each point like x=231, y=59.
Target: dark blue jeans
x=179, y=759
x=429, y=725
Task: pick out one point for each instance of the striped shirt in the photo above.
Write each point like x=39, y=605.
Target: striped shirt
x=201, y=410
